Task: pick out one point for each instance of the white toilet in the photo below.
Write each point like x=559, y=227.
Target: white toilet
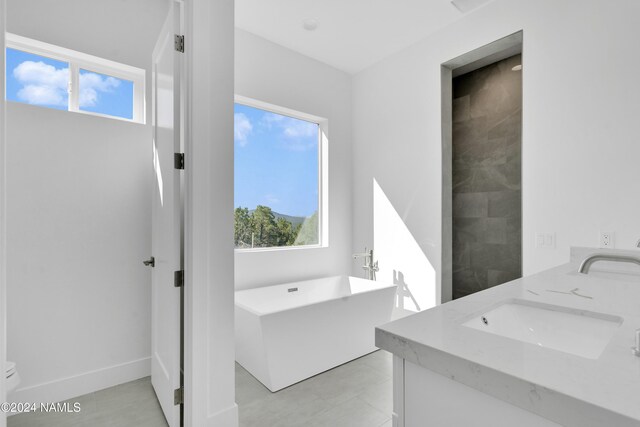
x=13, y=379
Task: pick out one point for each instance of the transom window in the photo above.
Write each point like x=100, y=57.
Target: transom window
x=50, y=76
x=278, y=178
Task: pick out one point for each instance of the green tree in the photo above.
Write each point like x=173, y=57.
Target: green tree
x=261, y=229
x=265, y=230
x=242, y=228
x=285, y=232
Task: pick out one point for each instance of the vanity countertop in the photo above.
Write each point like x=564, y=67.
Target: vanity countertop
x=562, y=387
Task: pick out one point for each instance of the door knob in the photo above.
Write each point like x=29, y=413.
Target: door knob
x=150, y=262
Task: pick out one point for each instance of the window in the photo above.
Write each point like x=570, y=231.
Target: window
x=50, y=76
x=103, y=94
x=278, y=178
x=37, y=80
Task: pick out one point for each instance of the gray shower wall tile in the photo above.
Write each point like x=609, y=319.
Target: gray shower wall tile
x=468, y=134
x=509, y=126
x=495, y=256
x=505, y=204
x=501, y=231
x=461, y=255
x=492, y=152
x=469, y=231
x=505, y=177
x=487, y=177
x=496, y=231
x=470, y=205
x=461, y=109
x=514, y=232
x=471, y=280
x=489, y=102
x=459, y=292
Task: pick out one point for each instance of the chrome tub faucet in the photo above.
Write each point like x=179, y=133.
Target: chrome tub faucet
x=370, y=267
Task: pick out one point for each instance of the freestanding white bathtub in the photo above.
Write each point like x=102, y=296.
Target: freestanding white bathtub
x=286, y=333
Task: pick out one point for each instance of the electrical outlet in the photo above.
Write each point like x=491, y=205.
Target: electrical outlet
x=607, y=239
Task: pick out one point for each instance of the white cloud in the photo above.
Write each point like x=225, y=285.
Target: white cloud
x=91, y=84
x=42, y=95
x=43, y=84
x=298, y=134
x=242, y=129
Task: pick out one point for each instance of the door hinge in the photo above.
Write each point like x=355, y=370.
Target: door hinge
x=178, y=278
x=178, y=160
x=178, y=42
x=178, y=396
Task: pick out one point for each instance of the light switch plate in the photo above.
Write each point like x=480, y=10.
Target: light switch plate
x=545, y=240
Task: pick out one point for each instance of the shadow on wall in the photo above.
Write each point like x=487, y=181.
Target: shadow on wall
x=404, y=291
x=401, y=258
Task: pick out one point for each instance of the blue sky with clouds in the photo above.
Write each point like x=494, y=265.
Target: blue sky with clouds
x=37, y=80
x=276, y=162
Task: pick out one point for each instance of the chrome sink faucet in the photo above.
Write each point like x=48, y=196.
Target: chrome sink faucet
x=370, y=267
x=588, y=261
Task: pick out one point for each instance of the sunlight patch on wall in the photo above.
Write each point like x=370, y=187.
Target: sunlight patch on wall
x=401, y=260
x=164, y=94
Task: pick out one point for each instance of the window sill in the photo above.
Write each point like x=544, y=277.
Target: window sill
x=278, y=249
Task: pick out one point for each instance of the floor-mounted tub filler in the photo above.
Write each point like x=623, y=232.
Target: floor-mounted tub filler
x=287, y=333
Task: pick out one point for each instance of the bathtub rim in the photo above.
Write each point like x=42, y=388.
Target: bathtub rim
x=260, y=314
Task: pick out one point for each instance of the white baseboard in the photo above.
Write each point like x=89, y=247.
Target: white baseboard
x=225, y=418
x=87, y=382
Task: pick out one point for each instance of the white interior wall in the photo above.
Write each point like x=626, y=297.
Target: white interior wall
x=79, y=205
x=78, y=197
x=271, y=73
x=579, y=127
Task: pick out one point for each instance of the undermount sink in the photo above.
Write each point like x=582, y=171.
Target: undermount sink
x=579, y=332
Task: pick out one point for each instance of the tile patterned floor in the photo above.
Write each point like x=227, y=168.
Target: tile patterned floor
x=356, y=394
x=130, y=404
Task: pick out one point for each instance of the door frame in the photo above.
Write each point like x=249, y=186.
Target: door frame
x=209, y=350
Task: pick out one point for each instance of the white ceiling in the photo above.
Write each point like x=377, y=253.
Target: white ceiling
x=351, y=34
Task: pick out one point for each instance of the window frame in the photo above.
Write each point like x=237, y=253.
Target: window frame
x=78, y=61
x=323, y=172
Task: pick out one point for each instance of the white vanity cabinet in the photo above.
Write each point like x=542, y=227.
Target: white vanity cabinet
x=423, y=398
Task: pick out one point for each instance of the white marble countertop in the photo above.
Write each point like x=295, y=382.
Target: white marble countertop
x=564, y=388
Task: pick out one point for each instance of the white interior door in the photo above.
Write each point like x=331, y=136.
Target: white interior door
x=166, y=220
